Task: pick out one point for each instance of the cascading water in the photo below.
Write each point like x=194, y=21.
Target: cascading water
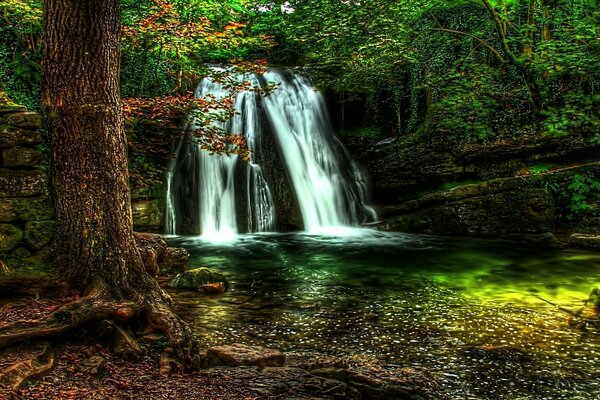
x=329, y=187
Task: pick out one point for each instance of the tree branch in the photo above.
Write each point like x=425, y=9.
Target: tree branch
x=480, y=40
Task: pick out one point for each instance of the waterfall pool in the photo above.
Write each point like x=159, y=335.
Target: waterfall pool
x=467, y=310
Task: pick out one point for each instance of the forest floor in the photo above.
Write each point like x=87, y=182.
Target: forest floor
x=112, y=377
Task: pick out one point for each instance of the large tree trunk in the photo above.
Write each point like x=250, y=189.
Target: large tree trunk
x=94, y=242
x=81, y=96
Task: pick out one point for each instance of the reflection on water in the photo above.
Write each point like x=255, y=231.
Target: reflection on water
x=464, y=309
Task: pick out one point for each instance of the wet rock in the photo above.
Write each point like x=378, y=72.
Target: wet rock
x=93, y=365
x=11, y=136
x=38, y=234
x=585, y=241
x=544, y=240
x=194, y=278
x=10, y=237
x=24, y=119
x=174, y=260
x=311, y=361
x=212, y=288
x=405, y=383
x=283, y=383
x=21, y=157
x=22, y=183
x=502, y=353
x=500, y=207
x=147, y=214
x=242, y=355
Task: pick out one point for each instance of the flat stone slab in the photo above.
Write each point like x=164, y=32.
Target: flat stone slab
x=22, y=183
x=24, y=119
x=13, y=136
x=585, y=241
x=242, y=355
x=283, y=383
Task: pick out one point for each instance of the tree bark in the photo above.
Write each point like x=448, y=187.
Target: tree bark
x=81, y=97
x=94, y=241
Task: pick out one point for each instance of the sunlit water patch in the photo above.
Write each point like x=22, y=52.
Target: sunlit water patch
x=467, y=310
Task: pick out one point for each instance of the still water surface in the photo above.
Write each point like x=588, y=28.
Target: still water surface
x=410, y=300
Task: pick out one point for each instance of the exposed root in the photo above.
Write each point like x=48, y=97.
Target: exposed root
x=41, y=361
x=91, y=308
x=182, y=351
x=98, y=305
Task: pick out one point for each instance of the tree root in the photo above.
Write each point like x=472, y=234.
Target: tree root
x=42, y=361
x=98, y=305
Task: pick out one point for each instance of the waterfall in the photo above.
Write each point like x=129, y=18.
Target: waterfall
x=329, y=187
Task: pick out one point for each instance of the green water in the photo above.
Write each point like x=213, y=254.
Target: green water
x=413, y=301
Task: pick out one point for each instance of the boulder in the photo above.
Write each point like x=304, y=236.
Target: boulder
x=38, y=234
x=585, y=241
x=21, y=157
x=10, y=237
x=24, y=119
x=13, y=136
x=195, y=278
x=242, y=355
x=174, y=260
x=212, y=288
x=22, y=183
x=147, y=214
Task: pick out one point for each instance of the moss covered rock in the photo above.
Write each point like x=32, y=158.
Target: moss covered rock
x=29, y=209
x=24, y=119
x=147, y=214
x=13, y=136
x=21, y=157
x=10, y=237
x=22, y=183
x=38, y=234
x=585, y=241
x=196, y=279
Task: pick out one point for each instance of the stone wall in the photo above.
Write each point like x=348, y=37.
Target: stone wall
x=26, y=211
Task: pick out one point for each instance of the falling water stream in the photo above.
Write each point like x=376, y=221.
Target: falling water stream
x=329, y=188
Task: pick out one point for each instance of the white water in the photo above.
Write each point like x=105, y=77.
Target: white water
x=329, y=187
x=329, y=195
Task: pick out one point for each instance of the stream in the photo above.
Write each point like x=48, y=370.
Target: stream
x=467, y=310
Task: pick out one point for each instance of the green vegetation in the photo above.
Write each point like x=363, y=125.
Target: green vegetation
x=455, y=70
x=540, y=168
x=581, y=189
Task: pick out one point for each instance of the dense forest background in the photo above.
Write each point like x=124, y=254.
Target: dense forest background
x=462, y=70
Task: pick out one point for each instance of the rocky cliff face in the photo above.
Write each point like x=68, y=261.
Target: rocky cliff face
x=529, y=186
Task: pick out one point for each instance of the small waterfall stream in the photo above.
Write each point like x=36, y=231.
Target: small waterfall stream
x=329, y=187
